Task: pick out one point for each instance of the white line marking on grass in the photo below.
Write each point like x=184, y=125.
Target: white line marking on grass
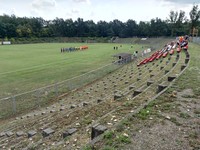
x=34, y=67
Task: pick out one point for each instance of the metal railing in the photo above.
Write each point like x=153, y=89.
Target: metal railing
x=196, y=40
x=40, y=97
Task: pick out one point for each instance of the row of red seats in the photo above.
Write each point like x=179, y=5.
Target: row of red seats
x=157, y=55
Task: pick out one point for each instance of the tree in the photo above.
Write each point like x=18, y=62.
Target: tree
x=181, y=24
x=144, y=29
x=2, y=30
x=24, y=31
x=158, y=28
x=194, y=16
x=181, y=17
x=172, y=20
x=176, y=22
x=130, y=28
x=102, y=28
x=117, y=27
x=80, y=27
x=70, y=29
x=91, y=28
x=58, y=27
x=36, y=25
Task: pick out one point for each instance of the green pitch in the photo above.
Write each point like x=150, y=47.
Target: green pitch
x=30, y=66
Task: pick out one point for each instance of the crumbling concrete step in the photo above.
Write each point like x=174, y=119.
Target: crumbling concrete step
x=31, y=133
x=183, y=67
x=174, y=64
x=9, y=133
x=47, y=132
x=97, y=130
x=69, y=132
x=161, y=87
x=149, y=82
x=131, y=87
x=187, y=60
x=117, y=96
x=136, y=92
x=20, y=133
x=171, y=78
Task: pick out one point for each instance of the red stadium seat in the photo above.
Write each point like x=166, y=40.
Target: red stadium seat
x=178, y=50
x=165, y=54
x=171, y=52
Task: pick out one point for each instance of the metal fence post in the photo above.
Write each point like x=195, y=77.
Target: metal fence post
x=56, y=89
x=14, y=104
x=38, y=98
x=70, y=85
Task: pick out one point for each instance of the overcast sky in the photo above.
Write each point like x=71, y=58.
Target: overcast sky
x=107, y=10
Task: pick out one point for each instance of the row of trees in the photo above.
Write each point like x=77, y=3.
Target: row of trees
x=176, y=24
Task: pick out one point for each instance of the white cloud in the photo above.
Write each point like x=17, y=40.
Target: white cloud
x=114, y=16
x=43, y=4
x=79, y=1
x=82, y=1
x=184, y=1
x=74, y=11
x=92, y=14
x=41, y=8
x=13, y=11
x=35, y=13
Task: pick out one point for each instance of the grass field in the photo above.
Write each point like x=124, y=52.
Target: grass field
x=30, y=66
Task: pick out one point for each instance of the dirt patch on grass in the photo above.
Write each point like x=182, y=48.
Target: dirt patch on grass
x=185, y=93
x=179, y=128
x=166, y=136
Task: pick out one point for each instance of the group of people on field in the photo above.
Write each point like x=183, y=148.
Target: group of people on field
x=72, y=49
x=116, y=47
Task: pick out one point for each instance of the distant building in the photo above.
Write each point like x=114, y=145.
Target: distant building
x=6, y=43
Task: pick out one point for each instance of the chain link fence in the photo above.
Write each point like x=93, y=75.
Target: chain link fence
x=196, y=40
x=31, y=100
